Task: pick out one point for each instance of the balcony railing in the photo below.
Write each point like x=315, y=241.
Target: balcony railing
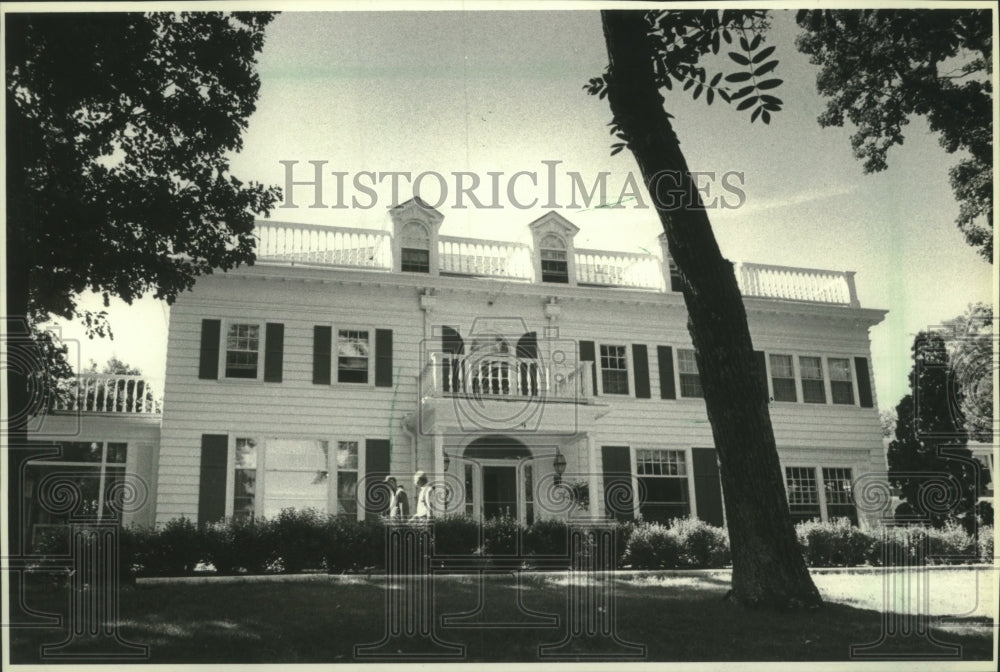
x=487, y=258
x=110, y=393
x=504, y=377
x=326, y=245
x=618, y=269
x=798, y=284
x=373, y=250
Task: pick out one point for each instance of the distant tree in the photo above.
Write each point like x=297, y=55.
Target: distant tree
x=930, y=443
x=115, y=386
x=887, y=418
x=114, y=366
x=881, y=67
x=119, y=132
x=970, y=348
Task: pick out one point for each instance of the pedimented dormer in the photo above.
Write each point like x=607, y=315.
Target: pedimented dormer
x=554, y=251
x=415, y=228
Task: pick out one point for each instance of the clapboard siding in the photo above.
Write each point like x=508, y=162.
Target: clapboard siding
x=296, y=407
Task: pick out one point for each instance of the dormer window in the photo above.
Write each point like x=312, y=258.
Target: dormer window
x=415, y=255
x=555, y=264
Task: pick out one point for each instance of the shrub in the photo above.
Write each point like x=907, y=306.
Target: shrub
x=247, y=545
x=456, y=535
x=651, y=546
x=951, y=544
x=351, y=545
x=986, y=544
x=832, y=544
x=500, y=536
x=700, y=544
x=299, y=535
x=172, y=550
x=546, y=537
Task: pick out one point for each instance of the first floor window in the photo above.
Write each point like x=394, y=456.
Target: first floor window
x=529, y=494
x=841, y=382
x=245, y=479
x=92, y=471
x=242, y=350
x=783, y=378
x=687, y=365
x=803, y=496
x=352, y=356
x=839, y=500
x=614, y=369
x=813, y=383
x=347, y=478
x=663, y=484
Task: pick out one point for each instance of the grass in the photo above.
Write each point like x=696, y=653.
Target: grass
x=678, y=618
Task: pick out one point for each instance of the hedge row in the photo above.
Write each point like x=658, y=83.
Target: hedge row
x=304, y=540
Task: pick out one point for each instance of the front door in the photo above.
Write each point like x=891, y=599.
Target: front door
x=500, y=491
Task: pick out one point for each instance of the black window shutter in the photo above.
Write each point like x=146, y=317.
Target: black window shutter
x=707, y=487
x=761, y=360
x=640, y=363
x=617, y=467
x=322, y=354
x=274, y=344
x=864, y=382
x=208, y=360
x=665, y=361
x=587, y=355
x=383, y=358
x=376, y=469
x=212, y=483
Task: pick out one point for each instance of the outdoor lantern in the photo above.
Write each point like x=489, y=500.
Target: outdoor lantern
x=447, y=460
x=559, y=464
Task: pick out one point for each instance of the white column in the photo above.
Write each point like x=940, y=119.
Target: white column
x=594, y=483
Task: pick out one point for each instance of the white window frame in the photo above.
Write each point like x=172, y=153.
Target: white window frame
x=628, y=369
x=854, y=379
x=688, y=470
x=677, y=374
x=223, y=349
x=801, y=381
x=817, y=471
x=795, y=377
x=333, y=481
x=335, y=355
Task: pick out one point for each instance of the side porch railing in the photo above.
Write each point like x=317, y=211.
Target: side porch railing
x=110, y=393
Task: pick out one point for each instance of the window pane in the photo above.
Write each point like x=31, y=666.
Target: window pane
x=117, y=453
x=803, y=496
x=781, y=366
x=783, y=378
x=347, y=455
x=814, y=391
x=842, y=392
x=686, y=362
x=352, y=356
x=811, y=367
x=81, y=451
x=242, y=348
x=347, y=486
x=415, y=261
x=614, y=369
x=840, y=369
x=839, y=497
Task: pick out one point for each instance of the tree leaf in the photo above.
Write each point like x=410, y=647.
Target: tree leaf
x=697, y=92
x=725, y=96
x=742, y=92
x=727, y=37
x=756, y=113
x=756, y=41
x=747, y=103
x=617, y=148
x=769, y=84
x=766, y=68
x=770, y=99
x=715, y=43
x=739, y=58
x=761, y=55
x=765, y=116
x=688, y=84
x=715, y=80
x=744, y=44
x=709, y=96
x=738, y=77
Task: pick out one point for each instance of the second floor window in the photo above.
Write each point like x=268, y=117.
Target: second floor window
x=415, y=261
x=614, y=369
x=813, y=383
x=783, y=378
x=555, y=264
x=841, y=383
x=242, y=350
x=353, y=355
x=690, y=380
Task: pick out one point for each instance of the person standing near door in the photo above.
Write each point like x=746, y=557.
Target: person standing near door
x=423, y=509
x=399, y=505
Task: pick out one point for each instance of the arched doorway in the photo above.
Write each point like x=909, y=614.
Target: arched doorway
x=499, y=479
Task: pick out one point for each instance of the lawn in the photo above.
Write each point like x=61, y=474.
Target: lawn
x=678, y=618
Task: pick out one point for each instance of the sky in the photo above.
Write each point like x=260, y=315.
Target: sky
x=501, y=91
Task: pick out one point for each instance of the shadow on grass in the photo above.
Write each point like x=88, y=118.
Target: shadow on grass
x=321, y=622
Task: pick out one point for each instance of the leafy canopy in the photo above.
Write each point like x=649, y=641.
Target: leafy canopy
x=119, y=130
x=878, y=68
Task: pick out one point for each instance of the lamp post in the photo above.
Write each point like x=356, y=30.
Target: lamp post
x=559, y=464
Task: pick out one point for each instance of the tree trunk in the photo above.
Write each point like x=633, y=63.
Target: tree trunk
x=768, y=568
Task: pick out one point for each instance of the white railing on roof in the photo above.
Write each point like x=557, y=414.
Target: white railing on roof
x=110, y=393
x=324, y=245
x=487, y=258
x=798, y=284
x=504, y=377
x=618, y=269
